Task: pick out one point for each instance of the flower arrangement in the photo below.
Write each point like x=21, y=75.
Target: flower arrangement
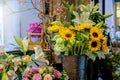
x=44, y=73
x=24, y=67
x=13, y=65
x=84, y=33
x=35, y=28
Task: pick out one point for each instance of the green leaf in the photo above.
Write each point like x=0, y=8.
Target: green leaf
x=65, y=5
x=3, y=57
x=84, y=7
x=99, y=24
x=85, y=35
x=107, y=15
x=71, y=8
x=52, y=42
x=79, y=37
x=65, y=42
x=19, y=41
x=5, y=76
x=1, y=75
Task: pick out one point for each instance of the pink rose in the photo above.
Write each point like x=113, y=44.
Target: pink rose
x=25, y=78
x=57, y=74
x=37, y=77
x=50, y=69
x=48, y=77
x=29, y=75
x=35, y=69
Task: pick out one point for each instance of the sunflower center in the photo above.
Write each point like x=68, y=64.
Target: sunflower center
x=68, y=35
x=95, y=34
x=94, y=44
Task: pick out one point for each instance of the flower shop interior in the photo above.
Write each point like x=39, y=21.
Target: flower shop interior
x=59, y=39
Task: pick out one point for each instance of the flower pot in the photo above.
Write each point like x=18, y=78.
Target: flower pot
x=75, y=66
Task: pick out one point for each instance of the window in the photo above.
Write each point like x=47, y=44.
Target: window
x=118, y=14
x=1, y=25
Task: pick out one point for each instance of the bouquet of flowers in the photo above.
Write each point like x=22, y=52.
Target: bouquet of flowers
x=84, y=33
x=13, y=65
x=44, y=73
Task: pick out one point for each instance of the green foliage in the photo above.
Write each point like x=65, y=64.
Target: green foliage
x=113, y=60
x=5, y=76
x=97, y=17
x=19, y=41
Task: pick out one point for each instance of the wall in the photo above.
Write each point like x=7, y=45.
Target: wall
x=10, y=23
x=27, y=15
x=110, y=9
x=17, y=18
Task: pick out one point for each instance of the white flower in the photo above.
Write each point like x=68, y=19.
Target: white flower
x=59, y=48
x=40, y=55
x=25, y=42
x=83, y=18
x=59, y=40
x=91, y=8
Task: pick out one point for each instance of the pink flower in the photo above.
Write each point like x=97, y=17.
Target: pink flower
x=35, y=28
x=25, y=78
x=29, y=75
x=57, y=74
x=50, y=69
x=37, y=77
x=35, y=69
x=48, y=77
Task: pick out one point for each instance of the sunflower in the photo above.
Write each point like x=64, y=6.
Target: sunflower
x=104, y=39
x=83, y=26
x=104, y=48
x=94, y=45
x=62, y=30
x=67, y=34
x=96, y=33
x=86, y=26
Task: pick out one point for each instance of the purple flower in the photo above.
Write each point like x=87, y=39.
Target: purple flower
x=35, y=69
x=57, y=74
x=37, y=77
x=48, y=77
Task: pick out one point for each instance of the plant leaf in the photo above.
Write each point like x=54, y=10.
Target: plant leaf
x=83, y=7
x=19, y=41
x=71, y=8
x=5, y=77
x=3, y=57
x=99, y=24
x=107, y=15
x=85, y=35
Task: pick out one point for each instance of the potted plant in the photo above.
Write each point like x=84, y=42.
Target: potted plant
x=83, y=35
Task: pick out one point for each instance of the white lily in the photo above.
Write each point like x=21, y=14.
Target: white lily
x=83, y=18
x=91, y=8
x=25, y=42
x=40, y=55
